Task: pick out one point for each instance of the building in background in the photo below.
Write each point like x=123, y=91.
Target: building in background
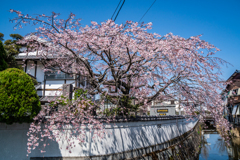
x=164, y=108
x=231, y=98
x=50, y=84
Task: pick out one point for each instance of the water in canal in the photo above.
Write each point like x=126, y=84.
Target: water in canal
x=214, y=148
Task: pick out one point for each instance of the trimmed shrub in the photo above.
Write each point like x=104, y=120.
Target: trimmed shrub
x=19, y=101
x=34, y=81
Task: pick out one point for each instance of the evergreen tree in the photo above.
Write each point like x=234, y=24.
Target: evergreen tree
x=1, y=36
x=3, y=64
x=12, y=49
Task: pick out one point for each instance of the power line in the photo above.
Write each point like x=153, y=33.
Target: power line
x=116, y=8
x=147, y=11
x=119, y=10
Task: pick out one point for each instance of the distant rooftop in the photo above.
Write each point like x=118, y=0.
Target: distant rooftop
x=234, y=75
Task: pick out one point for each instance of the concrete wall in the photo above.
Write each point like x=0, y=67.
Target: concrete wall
x=119, y=138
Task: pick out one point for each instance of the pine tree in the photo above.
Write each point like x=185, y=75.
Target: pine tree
x=1, y=36
x=12, y=49
x=3, y=63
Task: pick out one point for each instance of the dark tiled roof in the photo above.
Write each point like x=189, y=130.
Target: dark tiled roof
x=233, y=75
x=31, y=57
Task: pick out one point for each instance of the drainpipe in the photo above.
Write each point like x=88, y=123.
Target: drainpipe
x=35, y=74
x=44, y=86
x=75, y=77
x=25, y=66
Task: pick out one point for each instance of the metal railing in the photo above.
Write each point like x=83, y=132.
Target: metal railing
x=58, y=76
x=140, y=118
x=130, y=118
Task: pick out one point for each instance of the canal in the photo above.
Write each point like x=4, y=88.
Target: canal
x=214, y=147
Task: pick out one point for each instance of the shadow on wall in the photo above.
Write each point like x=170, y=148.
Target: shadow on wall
x=122, y=137
x=13, y=143
x=137, y=135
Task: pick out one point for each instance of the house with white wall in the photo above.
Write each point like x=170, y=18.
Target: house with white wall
x=170, y=107
x=231, y=98
x=49, y=83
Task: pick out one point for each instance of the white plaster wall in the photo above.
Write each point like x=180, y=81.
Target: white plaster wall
x=13, y=140
x=40, y=93
x=40, y=72
x=30, y=68
x=56, y=84
x=119, y=137
x=51, y=93
x=71, y=81
x=50, y=85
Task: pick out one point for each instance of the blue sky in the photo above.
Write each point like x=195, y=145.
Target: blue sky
x=217, y=20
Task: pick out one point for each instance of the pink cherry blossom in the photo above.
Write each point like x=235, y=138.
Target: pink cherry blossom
x=123, y=61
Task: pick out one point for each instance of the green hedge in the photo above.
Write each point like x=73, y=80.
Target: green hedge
x=19, y=101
